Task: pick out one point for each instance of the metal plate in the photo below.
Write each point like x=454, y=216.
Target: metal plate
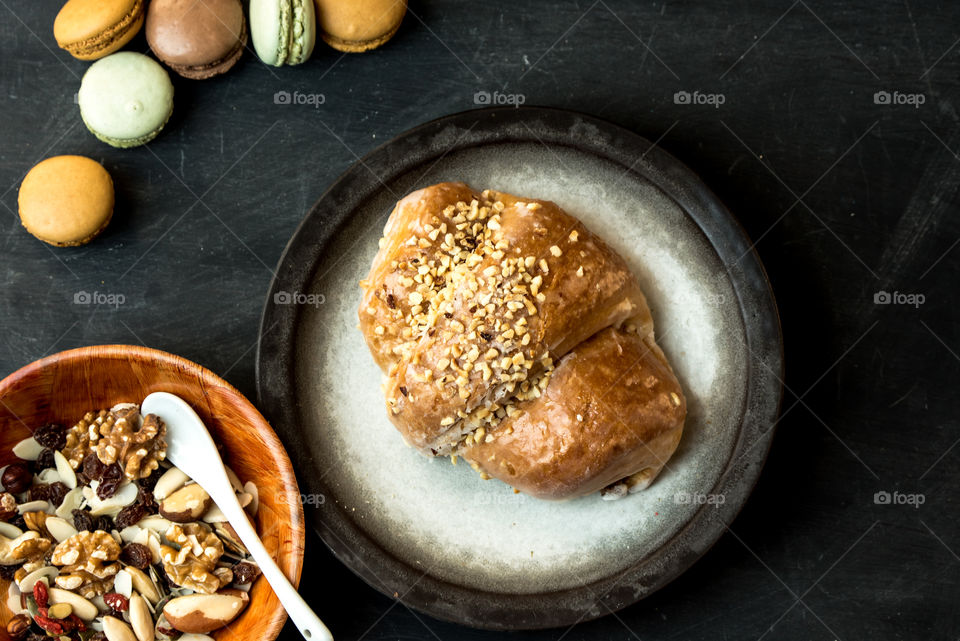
x=475, y=552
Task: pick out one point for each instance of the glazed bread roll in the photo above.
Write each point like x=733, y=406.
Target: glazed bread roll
x=498, y=321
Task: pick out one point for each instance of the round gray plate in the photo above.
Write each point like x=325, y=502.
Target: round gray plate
x=434, y=534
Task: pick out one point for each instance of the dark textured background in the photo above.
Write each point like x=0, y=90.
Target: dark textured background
x=845, y=197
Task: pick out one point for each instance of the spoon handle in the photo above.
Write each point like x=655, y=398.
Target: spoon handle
x=309, y=624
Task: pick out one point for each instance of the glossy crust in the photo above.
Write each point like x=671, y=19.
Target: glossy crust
x=449, y=341
x=613, y=409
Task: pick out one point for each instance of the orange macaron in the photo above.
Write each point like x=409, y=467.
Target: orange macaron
x=92, y=29
x=66, y=200
x=359, y=25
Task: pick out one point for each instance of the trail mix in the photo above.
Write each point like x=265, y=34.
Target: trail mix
x=102, y=539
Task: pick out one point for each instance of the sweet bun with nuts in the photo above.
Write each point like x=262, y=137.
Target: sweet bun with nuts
x=513, y=336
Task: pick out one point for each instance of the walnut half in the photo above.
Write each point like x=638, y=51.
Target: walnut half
x=139, y=451
x=194, y=565
x=89, y=560
x=116, y=438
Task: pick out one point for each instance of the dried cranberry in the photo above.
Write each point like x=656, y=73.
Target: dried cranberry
x=93, y=467
x=116, y=601
x=245, y=573
x=82, y=520
x=56, y=493
x=137, y=555
x=130, y=515
x=7, y=572
x=51, y=436
x=45, y=460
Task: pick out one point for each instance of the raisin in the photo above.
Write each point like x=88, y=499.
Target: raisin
x=8, y=571
x=93, y=467
x=137, y=555
x=51, y=436
x=104, y=523
x=19, y=522
x=244, y=573
x=56, y=493
x=45, y=460
x=146, y=499
x=109, y=481
x=40, y=492
x=82, y=521
x=151, y=481
x=130, y=515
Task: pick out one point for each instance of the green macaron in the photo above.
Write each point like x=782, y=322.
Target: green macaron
x=125, y=99
x=283, y=31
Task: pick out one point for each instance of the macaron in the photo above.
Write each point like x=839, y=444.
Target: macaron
x=125, y=99
x=66, y=200
x=283, y=31
x=359, y=25
x=92, y=29
x=197, y=39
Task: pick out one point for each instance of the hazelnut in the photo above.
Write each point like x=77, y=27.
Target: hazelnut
x=16, y=478
x=18, y=627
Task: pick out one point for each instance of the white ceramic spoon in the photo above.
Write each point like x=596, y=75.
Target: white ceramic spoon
x=190, y=447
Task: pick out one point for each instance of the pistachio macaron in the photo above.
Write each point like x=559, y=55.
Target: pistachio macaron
x=359, y=25
x=125, y=99
x=92, y=29
x=66, y=200
x=283, y=31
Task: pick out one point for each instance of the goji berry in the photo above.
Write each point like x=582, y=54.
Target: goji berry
x=40, y=594
x=53, y=626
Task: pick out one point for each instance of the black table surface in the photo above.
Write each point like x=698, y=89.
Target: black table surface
x=829, y=129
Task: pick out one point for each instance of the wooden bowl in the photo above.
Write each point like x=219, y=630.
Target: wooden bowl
x=62, y=387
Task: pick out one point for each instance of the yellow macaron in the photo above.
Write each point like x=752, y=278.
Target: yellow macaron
x=66, y=200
